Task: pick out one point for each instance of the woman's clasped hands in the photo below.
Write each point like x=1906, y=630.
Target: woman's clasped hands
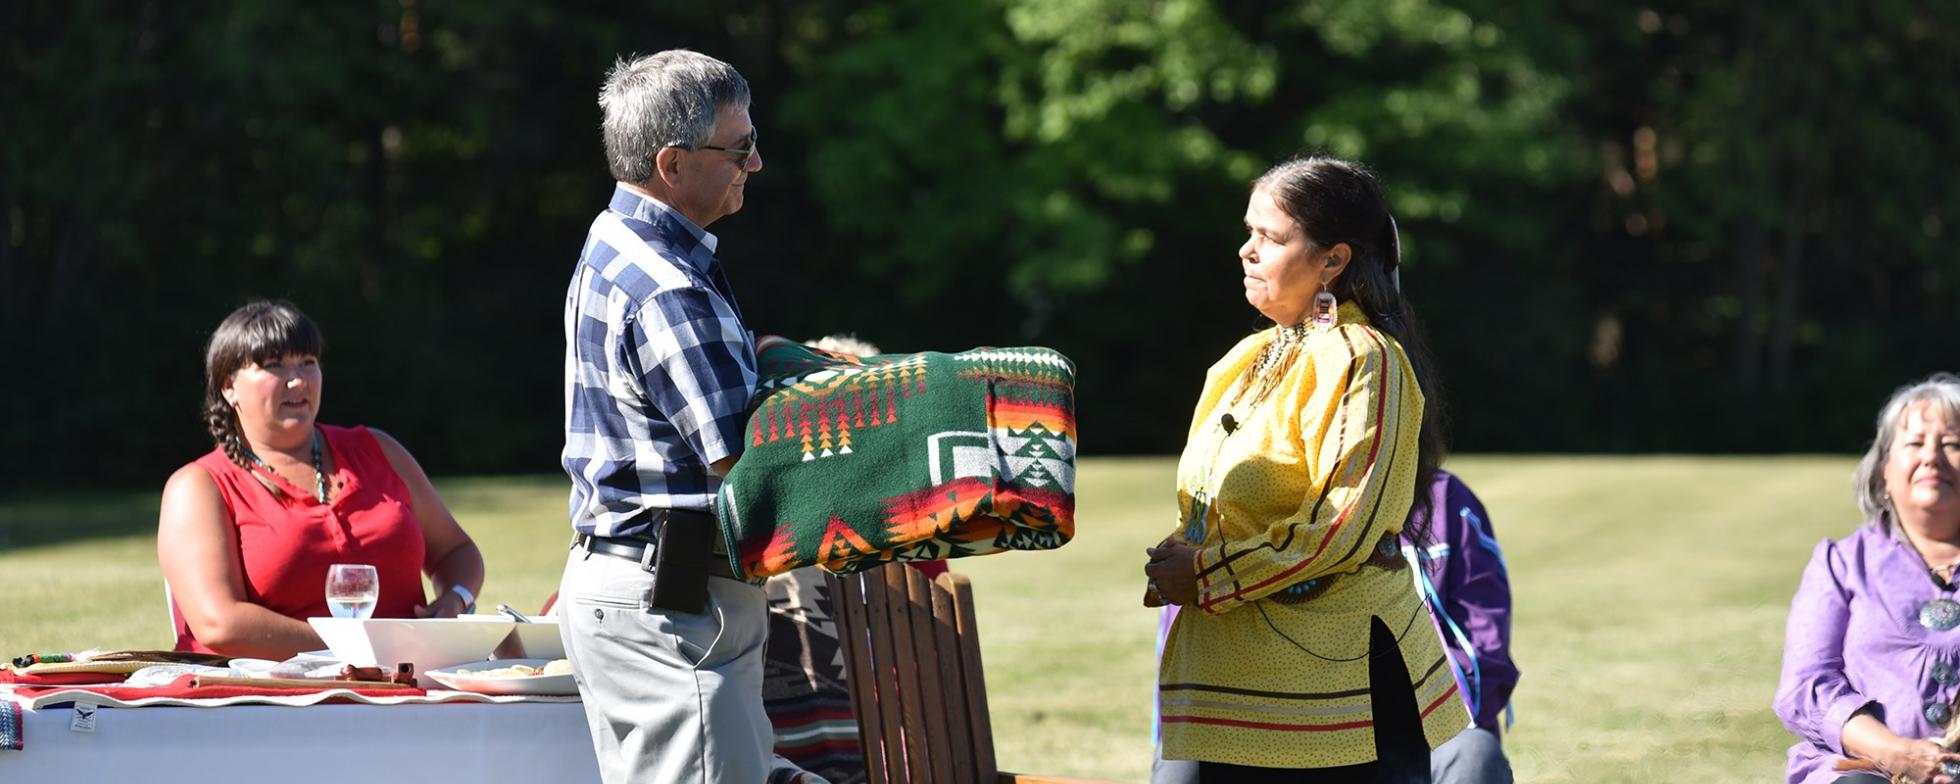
x=1173, y=570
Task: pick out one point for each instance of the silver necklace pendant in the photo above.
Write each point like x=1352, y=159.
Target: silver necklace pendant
x=1194, y=524
x=1940, y=615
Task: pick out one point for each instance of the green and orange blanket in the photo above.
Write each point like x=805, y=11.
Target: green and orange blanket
x=852, y=463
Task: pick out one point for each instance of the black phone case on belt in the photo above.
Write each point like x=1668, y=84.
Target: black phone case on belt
x=684, y=547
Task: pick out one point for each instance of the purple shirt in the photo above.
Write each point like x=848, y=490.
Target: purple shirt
x=1854, y=640
x=1471, y=600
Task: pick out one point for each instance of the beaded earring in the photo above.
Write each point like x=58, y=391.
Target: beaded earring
x=1324, y=306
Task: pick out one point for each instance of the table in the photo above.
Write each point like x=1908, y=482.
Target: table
x=329, y=744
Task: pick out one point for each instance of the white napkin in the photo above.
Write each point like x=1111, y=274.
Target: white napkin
x=163, y=674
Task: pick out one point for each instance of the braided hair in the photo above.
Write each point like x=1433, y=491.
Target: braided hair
x=257, y=332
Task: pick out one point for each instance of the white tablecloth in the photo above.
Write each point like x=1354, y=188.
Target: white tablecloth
x=329, y=744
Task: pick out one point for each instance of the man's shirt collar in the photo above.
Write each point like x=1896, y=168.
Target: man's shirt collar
x=640, y=206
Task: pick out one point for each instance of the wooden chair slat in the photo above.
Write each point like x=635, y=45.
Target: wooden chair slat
x=886, y=695
x=946, y=634
x=932, y=691
x=854, y=633
x=911, y=693
x=979, y=721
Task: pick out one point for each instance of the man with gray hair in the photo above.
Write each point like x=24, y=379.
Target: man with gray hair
x=665, y=642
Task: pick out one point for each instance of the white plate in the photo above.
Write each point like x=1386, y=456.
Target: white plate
x=561, y=684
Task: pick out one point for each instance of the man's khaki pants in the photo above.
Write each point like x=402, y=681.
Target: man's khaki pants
x=670, y=697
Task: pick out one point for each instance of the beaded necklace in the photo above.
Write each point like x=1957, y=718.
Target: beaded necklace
x=1273, y=362
x=1284, y=340
x=1265, y=374
x=319, y=470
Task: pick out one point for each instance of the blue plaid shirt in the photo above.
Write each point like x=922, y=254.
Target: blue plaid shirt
x=658, y=368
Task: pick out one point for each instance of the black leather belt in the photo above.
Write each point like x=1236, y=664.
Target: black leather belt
x=641, y=551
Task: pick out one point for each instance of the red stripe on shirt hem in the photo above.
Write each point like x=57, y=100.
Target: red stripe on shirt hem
x=1265, y=725
x=1439, y=701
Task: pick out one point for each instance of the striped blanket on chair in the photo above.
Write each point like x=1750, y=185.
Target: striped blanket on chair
x=852, y=462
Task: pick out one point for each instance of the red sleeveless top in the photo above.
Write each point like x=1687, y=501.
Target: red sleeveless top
x=287, y=541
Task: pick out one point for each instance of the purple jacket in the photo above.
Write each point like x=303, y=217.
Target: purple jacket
x=1471, y=597
x=1854, y=639
x=1466, y=569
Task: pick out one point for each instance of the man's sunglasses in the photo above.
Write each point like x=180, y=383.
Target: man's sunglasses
x=742, y=154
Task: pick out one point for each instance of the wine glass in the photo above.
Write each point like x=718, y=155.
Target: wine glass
x=352, y=590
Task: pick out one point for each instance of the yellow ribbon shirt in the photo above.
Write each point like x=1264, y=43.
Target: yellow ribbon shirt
x=1295, y=507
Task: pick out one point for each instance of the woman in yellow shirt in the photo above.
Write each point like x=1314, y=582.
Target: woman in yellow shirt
x=1309, y=656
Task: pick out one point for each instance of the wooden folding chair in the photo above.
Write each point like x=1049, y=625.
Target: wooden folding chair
x=915, y=679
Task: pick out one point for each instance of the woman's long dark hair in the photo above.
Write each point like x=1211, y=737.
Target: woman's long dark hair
x=252, y=334
x=1337, y=201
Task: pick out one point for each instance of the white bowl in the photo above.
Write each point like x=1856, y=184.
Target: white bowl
x=535, y=640
x=428, y=643
x=539, y=639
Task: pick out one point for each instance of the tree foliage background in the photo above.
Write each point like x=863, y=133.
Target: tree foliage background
x=1678, y=226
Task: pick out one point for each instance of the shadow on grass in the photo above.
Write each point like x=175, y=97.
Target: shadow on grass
x=42, y=519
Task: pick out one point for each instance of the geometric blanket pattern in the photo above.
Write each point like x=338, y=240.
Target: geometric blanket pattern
x=854, y=462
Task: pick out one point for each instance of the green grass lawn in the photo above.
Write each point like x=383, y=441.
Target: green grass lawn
x=1650, y=592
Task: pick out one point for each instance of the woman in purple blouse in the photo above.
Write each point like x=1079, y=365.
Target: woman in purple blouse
x=1871, y=658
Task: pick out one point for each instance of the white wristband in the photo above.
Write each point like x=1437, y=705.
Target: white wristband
x=469, y=599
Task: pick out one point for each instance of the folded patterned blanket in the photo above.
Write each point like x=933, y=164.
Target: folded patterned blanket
x=852, y=462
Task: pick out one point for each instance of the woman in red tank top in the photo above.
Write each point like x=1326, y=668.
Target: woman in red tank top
x=247, y=531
